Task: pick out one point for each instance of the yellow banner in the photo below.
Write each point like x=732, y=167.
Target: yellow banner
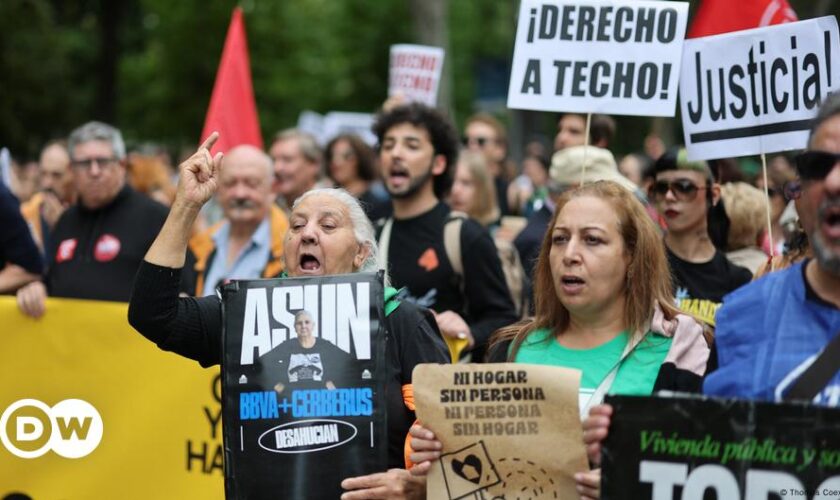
x=82, y=372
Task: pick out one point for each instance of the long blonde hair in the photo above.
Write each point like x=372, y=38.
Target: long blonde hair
x=484, y=206
x=648, y=279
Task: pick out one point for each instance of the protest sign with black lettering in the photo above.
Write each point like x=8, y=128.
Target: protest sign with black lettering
x=415, y=72
x=598, y=56
x=756, y=91
x=303, y=385
x=695, y=447
x=495, y=422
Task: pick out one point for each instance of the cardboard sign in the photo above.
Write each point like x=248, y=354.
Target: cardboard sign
x=756, y=91
x=155, y=414
x=303, y=385
x=494, y=421
x=415, y=72
x=694, y=448
x=618, y=57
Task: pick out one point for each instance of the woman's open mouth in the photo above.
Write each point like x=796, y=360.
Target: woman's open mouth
x=309, y=262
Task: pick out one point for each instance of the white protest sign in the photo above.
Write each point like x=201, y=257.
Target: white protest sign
x=756, y=91
x=312, y=123
x=598, y=56
x=415, y=72
x=340, y=122
x=325, y=127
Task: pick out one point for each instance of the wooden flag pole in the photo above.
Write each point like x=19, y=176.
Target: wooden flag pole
x=585, y=148
x=769, y=221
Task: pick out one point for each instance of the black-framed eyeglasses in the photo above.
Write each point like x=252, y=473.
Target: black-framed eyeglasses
x=103, y=163
x=816, y=165
x=481, y=141
x=683, y=189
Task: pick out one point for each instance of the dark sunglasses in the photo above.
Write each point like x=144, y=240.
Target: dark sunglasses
x=481, y=141
x=816, y=165
x=683, y=189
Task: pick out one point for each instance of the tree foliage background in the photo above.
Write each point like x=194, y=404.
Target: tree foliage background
x=148, y=66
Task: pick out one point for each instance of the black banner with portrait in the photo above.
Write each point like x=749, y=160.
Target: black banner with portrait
x=303, y=391
x=697, y=448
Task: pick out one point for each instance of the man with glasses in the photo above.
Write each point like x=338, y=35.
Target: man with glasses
x=684, y=192
x=97, y=244
x=486, y=135
x=778, y=338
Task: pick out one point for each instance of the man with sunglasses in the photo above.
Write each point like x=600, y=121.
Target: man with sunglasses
x=684, y=192
x=777, y=338
x=97, y=244
x=486, y=135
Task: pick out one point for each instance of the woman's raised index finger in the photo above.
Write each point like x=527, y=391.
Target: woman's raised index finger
x=210, y=141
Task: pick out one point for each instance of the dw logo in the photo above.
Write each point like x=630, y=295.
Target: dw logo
x=72, y=428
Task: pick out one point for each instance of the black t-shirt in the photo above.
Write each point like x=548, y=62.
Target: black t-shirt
x=94, y=254
x=309, y=368
x=16, y=244
x=418, y=264
x=700, y=287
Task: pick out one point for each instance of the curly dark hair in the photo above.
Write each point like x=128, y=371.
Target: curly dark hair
x=441, y=131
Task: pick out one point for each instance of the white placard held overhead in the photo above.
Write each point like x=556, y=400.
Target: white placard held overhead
x=341, y=122
x=756, y=91
x=415, y=72
x=325, y=127
x=598, y=56
x=312, y=123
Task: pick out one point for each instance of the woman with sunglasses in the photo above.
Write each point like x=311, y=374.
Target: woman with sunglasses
x=351, y=165
x=684, y=192
x=604, y=306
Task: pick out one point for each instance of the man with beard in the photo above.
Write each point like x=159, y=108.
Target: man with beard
x=778, y=337
x=248, y=242
x=418, y=149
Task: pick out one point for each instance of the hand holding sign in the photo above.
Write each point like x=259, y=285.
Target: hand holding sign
x=199, y=177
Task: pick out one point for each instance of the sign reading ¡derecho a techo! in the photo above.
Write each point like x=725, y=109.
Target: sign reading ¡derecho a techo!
x=618, y=57
x=303, y=385
x=756, y=91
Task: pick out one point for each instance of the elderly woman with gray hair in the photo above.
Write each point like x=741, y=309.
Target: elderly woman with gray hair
x=328, y=234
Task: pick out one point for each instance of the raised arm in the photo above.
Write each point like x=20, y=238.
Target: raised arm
x=199, y=179
x=188, y=326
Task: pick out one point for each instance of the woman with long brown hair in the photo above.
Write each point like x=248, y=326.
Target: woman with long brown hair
x=604, y=305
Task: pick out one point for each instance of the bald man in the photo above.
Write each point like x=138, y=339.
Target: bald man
x=56, y=193
x=247, y=243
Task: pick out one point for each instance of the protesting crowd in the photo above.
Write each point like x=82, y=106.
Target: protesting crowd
x=647, y=272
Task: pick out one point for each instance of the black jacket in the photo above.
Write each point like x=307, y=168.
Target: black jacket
x=94, y=254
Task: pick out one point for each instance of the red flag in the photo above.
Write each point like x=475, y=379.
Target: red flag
x=233, y=111
x=722, y=16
